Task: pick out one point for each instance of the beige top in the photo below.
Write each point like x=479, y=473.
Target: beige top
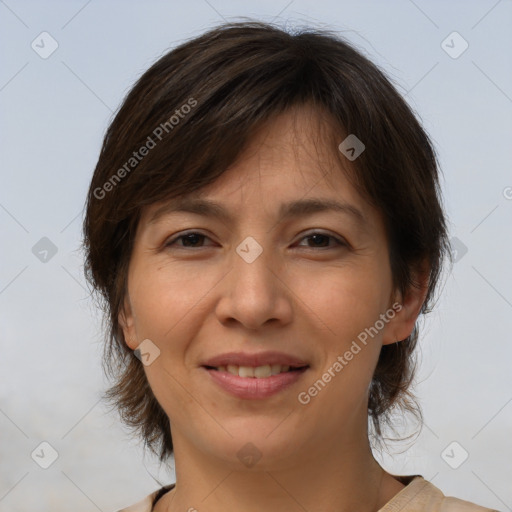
x=418, y=496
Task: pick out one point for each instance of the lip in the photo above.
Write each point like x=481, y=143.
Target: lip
x=253, y=388
x=256, y=359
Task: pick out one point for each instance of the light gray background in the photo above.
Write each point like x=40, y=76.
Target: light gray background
x=54, y=113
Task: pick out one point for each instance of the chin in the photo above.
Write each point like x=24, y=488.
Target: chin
x=258, y=445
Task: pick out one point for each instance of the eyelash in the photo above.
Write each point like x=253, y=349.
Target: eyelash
x=339, y=242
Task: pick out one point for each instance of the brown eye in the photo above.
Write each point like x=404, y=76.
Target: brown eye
x=191, y=239
x=194, y=239
x=321, y=240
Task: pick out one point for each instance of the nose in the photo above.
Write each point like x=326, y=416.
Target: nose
x=254, y=292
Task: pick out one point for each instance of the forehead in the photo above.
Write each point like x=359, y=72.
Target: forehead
x=304, y=139
x=293, y=155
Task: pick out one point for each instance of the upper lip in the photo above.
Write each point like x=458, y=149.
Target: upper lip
x=257, y=359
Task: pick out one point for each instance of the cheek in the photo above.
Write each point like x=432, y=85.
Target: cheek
x=346, y=300
x=347, y=305
x=165, y=302
x=163, y=299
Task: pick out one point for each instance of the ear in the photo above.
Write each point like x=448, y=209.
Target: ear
x=407, y=307
x=126, y=321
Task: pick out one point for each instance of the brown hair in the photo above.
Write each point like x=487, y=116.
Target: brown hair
x=204, y=99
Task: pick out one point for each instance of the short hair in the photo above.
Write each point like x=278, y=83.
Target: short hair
x=195, y=110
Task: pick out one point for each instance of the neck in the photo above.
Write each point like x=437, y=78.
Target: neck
x=337, y=478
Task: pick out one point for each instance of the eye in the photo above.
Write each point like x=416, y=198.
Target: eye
x=193, y=239
x=319, y=239
x=189, y=239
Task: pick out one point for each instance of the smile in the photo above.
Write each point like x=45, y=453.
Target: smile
x=259, y=372
x=253, y=383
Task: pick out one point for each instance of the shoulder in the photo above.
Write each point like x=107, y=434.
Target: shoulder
x=144, y=505
x=421, y=496
x=147, y=504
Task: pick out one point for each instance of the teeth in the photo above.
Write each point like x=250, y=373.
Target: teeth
x=246, y=371
x=258, y=372
x=275, y=369
x=262, y=371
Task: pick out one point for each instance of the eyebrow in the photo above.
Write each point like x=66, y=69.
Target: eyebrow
x=293, y=209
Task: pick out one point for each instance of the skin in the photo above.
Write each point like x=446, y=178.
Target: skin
x=305, y=299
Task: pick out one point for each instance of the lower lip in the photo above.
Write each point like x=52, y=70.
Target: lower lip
x=252, y=388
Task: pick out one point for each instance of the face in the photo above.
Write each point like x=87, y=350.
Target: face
x=257, y=289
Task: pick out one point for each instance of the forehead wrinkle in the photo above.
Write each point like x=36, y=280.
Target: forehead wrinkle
x=293, y=209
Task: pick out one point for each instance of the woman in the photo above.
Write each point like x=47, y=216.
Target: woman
x=265, y=226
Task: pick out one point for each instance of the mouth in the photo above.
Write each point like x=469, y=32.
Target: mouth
x=254, y=376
